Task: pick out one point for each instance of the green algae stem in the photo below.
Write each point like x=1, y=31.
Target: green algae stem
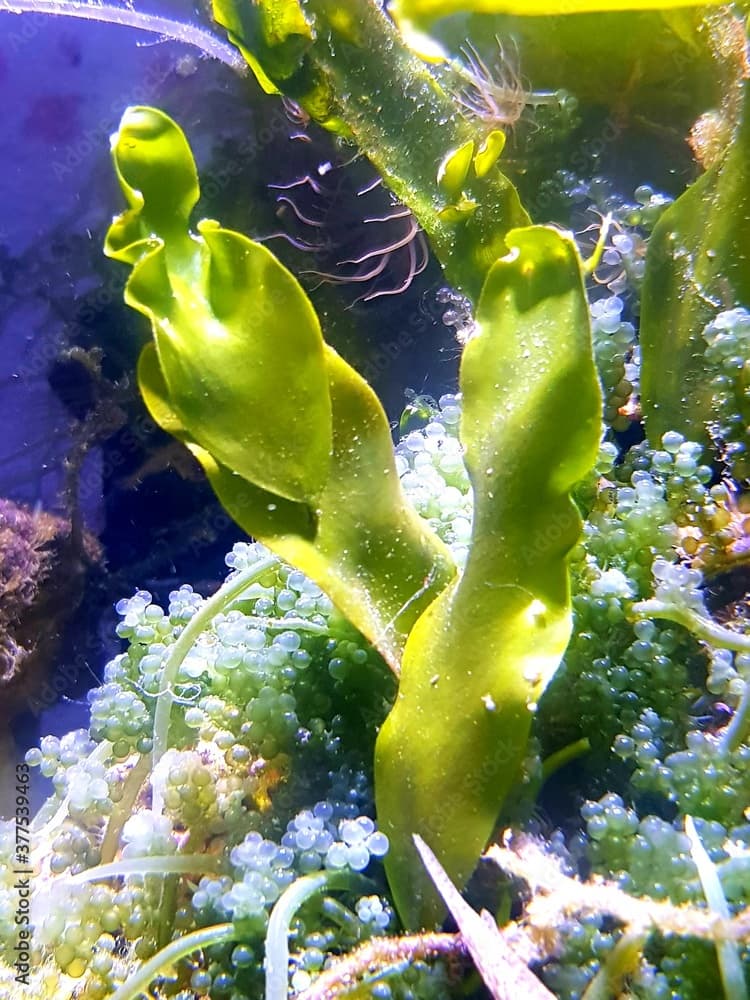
x=357, y=78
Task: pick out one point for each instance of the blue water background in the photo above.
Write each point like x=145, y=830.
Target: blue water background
x=64, y=84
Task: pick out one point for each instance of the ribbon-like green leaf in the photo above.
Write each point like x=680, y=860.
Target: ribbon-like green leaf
x=370, y=551
x=659, y=75
x=239, y=343
x=280, y=34
x=293, y=439
x=478, y=659
x=697, y=265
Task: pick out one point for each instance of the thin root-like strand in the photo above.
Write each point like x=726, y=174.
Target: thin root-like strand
x=298, y=244
x=284, y=199
x=380, y=953
x=416, y=267
x=390, y=248
x=345, y=279
x=370, y=187
x=401, y=213
x=307, y=179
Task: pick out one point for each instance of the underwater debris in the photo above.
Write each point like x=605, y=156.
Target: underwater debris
x=495, y=93
x=712, y=131
x=499, y=965
x=556, y=896
x=42, y=580
x=377, y=957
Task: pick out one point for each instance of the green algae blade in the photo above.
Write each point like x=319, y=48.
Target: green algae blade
x=280, y=34
x=364, y=544
x=480, y=656
x=370, y=551
x=293, y=439
x=239, y=343
x=697, y=265
x=659, y=63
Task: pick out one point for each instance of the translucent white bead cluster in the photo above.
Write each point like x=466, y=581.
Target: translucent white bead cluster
x=314, y=839
x=299, y=598
x=678, y=584
x=729, y=674
x=434, y=478
x=614, y=339
x=266, y=870
x=612, y=583
x=373, y=911
x=728, y=346
x=146, y=833
x=323, y=840
x=458, y=313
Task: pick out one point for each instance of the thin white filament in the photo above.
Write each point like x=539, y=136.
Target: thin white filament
x=178, y=31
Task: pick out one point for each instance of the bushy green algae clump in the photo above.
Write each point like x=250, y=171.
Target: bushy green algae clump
x=267, y=778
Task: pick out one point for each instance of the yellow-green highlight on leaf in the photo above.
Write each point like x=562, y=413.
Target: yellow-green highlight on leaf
x=271, y=514
x=454, y=169
x=480, y=656
x=293, y=439
x=594, y=259
x=489, y=152
x=280, y=31
x=661, y=74
x=461, y=212
x=696, y=266
x=427, y=10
